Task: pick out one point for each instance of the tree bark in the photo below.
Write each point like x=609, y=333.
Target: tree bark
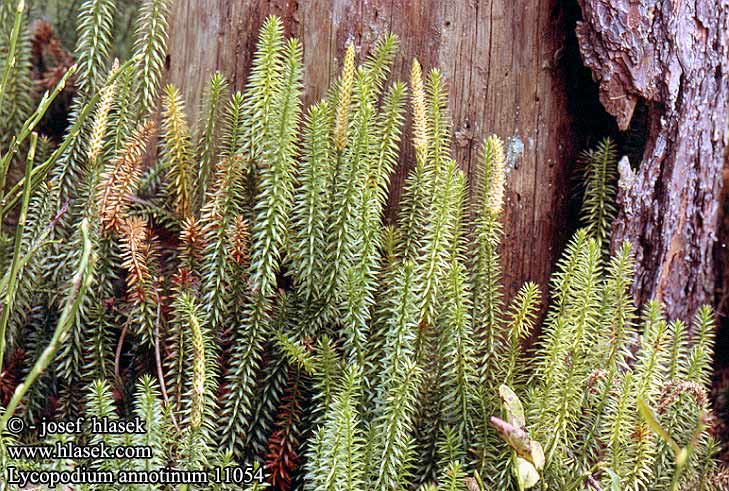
x=672, y=56
x=499, y=57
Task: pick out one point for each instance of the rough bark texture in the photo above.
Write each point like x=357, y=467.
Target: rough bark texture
x=501, y=61
x=673, y=56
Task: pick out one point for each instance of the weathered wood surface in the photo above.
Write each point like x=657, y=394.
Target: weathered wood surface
x=673, y=56
x=500, y=59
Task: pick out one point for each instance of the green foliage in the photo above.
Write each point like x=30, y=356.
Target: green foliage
x=93, y=47
x=150, y=48
x=63, y=15
x=92, y=51
x=275, y=167
x=336, y=459
x=17, y=87
x=210, y=126
x=309, y=218
x=600, y=175
x=148, y=408
x=233, y=285
x=457, y=372
x=232, y=130
x=177, y=152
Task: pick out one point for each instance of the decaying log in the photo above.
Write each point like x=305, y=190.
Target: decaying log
x=673, y=57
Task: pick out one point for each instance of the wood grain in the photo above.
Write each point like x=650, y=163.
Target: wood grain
x=501, y=62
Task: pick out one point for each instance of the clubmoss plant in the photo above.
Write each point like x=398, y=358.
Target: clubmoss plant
x=233, y=283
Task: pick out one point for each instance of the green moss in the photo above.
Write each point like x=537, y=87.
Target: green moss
x=248, y=303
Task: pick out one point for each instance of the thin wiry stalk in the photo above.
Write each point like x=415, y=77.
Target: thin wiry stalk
x=7, y=306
